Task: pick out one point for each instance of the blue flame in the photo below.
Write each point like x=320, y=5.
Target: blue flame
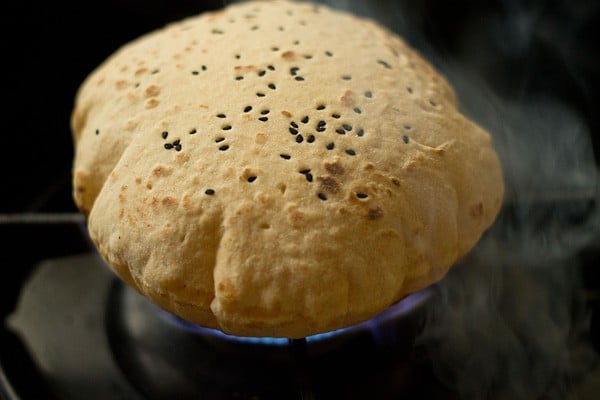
x=372, y=325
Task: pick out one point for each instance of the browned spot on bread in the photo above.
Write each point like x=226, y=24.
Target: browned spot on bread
x=295, y=216
x=161, y=171
x=244, y=67
x=476, y=210
x=140, y=71
x=227, y=290
x=169, y=201
x=347, y=98
x=288, y=55
x=138, y=180
x=374, y=213
x=121, y=84
x=396, y=181
x=152, y=103
x=151, y=91
x=286, y=114
x=328, y=184
x=335, y=168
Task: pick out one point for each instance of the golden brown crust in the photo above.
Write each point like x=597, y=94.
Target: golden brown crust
x=278, y=169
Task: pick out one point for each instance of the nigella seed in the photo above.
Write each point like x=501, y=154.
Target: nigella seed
x=305, y=120
x=156, y=71
x=308, y=56
x=237, y=56
x=270, y=67
x=204, y=68
x=330, y=146
x=193, y=131
x=285, y=156
x=227, y=127
x=97, y=131
x=248, y=109
x=322, y=123
x=168, y=146
x=357, y=110
x=265, y=112
x=311, y=139
x=259, y=94
x=299, y=139
x=299, y=78
x=368, y=94
x=293, y=131
x=195, y=72
x=224, y=147
x=405, y=139
x=321, y=129
x=295, y=125
x=350, y=152
x=262, y=72
x=329, y=54
x=275, y=48
x=217, y=31
x=177, y=147
x=309, y=177
x=251, y=178
x=272, y=86
x=164, y=134
x=340, y=131
x=294, y=71
x=433, y=103
x=304, y=171
x=320, y=107
x=361, y=195
x=239, y=78
x=336, y=116
x=322, y=196
x=219, y=139
x=409, y=89
x=175, y=143
x=263, y=119
x=361, y=132
x=209, y=192
x=346, y=77
x=407, y=127
x=221, y=116
x=347, y=127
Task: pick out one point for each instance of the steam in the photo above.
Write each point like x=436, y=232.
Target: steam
x=510, y=321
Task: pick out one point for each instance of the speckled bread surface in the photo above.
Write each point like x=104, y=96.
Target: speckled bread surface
x=278, y=169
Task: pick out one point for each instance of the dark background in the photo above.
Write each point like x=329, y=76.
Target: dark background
x=519, y=48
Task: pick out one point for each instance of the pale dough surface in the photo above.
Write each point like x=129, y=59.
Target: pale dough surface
x=278, y=169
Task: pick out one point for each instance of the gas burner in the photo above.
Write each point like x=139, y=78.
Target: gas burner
x=101, y=339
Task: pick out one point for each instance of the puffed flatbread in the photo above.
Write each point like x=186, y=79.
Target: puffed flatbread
x=278, y=169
